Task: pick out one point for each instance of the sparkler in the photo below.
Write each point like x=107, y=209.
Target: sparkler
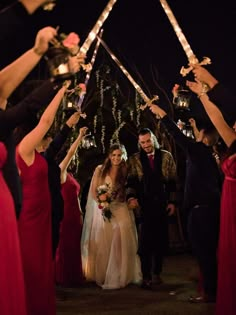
x=95, y=30
x=81, y=98
x=183, y=41
x=147, y=100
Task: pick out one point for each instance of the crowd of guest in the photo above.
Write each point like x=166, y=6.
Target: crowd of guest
x=123, y=236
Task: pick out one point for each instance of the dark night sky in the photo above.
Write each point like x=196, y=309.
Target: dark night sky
x=140, y=35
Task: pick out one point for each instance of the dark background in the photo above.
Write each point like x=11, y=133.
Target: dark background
x=141, y=36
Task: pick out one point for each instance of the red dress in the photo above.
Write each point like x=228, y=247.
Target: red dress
x=35, y=237
x=226, y=294
x=68, y=256
x=12, y=289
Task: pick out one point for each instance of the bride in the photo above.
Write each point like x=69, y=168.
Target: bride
x=109, y=238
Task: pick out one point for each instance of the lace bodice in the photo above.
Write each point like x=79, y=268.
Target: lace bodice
x=109, y=183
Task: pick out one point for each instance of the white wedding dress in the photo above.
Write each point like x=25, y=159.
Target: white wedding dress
x=109, y=248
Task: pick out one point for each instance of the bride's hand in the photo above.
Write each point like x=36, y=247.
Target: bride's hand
x=132, y=203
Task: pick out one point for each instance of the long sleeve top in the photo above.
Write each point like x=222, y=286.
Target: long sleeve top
x=152, y=186
x=202, y=181
x=54, y=173
x=11, y=118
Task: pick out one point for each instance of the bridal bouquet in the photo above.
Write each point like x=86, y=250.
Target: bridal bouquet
x=104, y=199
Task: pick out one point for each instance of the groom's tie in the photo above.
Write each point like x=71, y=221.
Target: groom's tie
x=151, y=160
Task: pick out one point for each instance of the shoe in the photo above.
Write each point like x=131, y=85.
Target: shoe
x=201, y=299
x=146, y=285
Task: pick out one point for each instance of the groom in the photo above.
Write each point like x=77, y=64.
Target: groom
x=152, y=175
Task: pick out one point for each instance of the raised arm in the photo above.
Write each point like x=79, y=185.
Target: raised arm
x=215, y=115
x=219, y=94
x=194, y=127
x=71, y=152
x=171, y=127
x=59, y=140
x=203, y=75
x=29, y=143
x=23, y=65
x=28, y=107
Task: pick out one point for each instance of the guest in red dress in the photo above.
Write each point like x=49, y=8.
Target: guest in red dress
x=35, y=219
x=12, y=289
x=68, y=258
x=226, y=302
x=12, y=117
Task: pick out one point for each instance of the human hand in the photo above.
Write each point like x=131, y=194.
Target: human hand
x=175, y=90
x=132, y=203
x=192, y=122
x=170, y=209
x=195, y=86
x=76, y=61
x=203, y=75
x=66, y=84
x=82, y=131
x=156, y=110
x=73, y=119
x=43, y=37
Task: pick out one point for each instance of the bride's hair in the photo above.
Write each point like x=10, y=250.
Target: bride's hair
x=122, y=171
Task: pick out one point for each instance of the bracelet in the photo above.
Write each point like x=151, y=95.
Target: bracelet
x=37, y=52
x=201, y=94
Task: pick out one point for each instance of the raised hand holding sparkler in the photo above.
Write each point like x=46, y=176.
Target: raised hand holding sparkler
x=203, y=75
x=183, y=41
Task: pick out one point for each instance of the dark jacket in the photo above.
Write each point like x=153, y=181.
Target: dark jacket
x=156, y=186
x=54, y=180
x=54, y=172
x=203, y=178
